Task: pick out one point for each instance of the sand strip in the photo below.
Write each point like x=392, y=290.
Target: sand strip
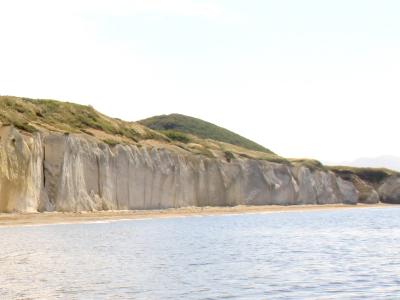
x=17, y=219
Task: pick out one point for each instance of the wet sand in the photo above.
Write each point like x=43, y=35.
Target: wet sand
x=17, y=219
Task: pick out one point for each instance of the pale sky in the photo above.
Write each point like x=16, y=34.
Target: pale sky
x=306, y=78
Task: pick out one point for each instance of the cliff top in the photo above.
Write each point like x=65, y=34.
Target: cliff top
x=190, y=135
x=371, y=175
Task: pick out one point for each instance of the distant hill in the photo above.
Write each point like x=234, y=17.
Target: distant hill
x=201, y=129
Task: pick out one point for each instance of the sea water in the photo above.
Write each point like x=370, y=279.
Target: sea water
x=337, y=254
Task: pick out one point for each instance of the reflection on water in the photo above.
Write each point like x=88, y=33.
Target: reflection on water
x=347, y=254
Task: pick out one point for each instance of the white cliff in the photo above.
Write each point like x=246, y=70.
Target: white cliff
x=58, y=172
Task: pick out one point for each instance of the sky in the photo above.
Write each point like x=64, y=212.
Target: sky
x=308, y=78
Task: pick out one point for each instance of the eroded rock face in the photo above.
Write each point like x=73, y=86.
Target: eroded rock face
x=21, y=171
x=389, y=191
x=367, y=193
x=47, y=172
x=348, y=190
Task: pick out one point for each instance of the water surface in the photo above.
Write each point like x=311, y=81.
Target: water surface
x=342, y=254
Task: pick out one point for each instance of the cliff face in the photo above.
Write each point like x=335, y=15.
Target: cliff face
x=21, y=171
x=58, y=172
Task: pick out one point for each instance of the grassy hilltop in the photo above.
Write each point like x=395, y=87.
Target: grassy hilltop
x=185, y=124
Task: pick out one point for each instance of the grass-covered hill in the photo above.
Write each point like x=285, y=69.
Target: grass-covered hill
x=171, y=124
x=35, y=115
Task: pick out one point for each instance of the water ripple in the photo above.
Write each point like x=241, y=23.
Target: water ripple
x=350, y=254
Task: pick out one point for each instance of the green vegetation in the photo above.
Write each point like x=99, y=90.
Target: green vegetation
x=177, y=136
x=229, y=156
x=189, y=134
x=111, y=142
x=33, y=115
x=201, y=129
x=371, y=175
x=312, y=164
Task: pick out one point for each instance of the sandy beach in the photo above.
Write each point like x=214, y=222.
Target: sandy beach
x=18, y=219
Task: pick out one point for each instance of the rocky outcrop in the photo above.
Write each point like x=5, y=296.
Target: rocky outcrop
x=367, y=193
x=58, y=172
x=389, y=191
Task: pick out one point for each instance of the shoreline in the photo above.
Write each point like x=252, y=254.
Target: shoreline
x=47, y=218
